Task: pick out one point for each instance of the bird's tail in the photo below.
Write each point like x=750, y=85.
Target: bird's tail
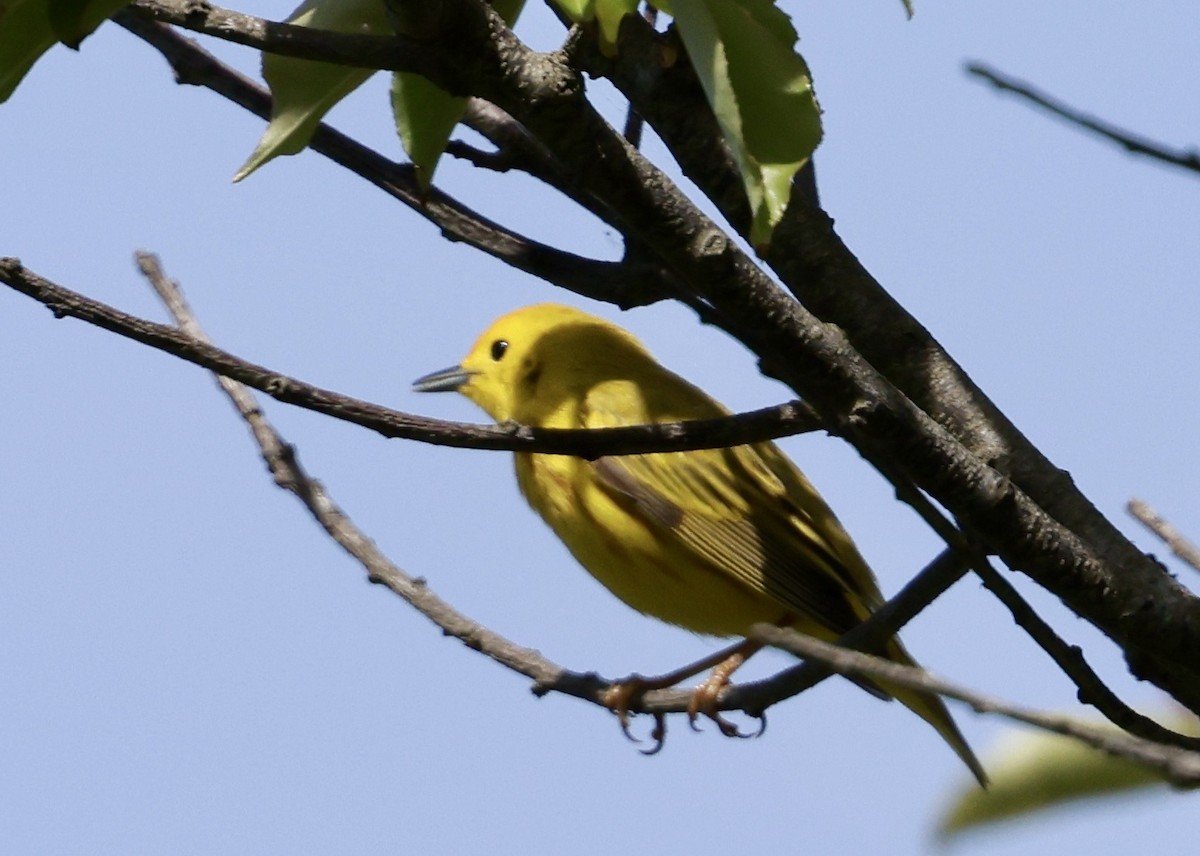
x=931, y=709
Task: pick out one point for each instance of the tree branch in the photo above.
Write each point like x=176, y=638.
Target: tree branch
x=1069, y=658
x=285, y=468
x=355, y=50
x=923, y=589
x=1132, y=143
x=1179, y=766
x=626, y=283
x=767, y=423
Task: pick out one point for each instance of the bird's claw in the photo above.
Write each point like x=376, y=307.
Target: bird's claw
x=727, y=728
x=619, y=697
x=658, y=735
x=762, y=723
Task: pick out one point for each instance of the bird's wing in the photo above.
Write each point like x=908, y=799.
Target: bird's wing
x=747, y=512
x=738, y=529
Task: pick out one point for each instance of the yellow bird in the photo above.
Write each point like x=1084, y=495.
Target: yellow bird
x=712, y=540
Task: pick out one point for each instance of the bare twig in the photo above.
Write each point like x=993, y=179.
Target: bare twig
x=923, y=589
x=516, y=148
x=1133, y=143
x=1179, y=766
x=512, y=140
x=635, y=123
x=781, y=420
x=1069, y=658
x=1172, y=537
x=284, y=466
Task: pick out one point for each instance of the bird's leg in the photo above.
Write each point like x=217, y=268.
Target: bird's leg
x=622, y=693
x=704, y=697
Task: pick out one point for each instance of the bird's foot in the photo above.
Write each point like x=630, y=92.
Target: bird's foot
x=618, y=699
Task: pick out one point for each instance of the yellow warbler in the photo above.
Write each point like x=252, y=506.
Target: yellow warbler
x=712, y=540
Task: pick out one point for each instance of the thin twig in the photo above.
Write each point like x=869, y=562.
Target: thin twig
x=285, y=467
x=1090, y=689
x=1179, y=766
x=635, y=123
x=767, y=423
x=923, y=589
x=518, y=149
x=1131, y=142
x=1069, y=658
x=1172, y=537
x=493, y=161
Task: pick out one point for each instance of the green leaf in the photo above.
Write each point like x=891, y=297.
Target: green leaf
x=74, y=20
x=1034, y=771
x=303, y=90
x=509, y=10
x=761, y=92
x=426, y=115
x=29, y=28
x=579, y=11
x=608, y=15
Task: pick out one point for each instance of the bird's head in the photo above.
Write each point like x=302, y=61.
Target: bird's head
x=528, y=361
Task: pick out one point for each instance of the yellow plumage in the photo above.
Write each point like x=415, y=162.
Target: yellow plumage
x=712, y=540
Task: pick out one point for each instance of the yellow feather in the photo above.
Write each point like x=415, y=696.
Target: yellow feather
x=713, y=540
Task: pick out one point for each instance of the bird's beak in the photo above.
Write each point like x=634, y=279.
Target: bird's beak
x=446, y=380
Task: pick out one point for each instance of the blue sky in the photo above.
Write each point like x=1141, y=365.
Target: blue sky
x=188, y=666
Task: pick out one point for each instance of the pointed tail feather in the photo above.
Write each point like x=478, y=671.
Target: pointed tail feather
x=933, y=710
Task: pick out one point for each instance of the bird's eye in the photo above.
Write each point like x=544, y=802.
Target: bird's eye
x=498, y=348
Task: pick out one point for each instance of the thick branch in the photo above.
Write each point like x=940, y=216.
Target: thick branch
x=818, y=268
